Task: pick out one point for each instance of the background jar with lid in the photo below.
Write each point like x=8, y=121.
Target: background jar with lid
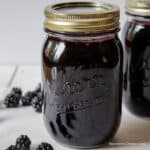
x=82, y=63
x=136, y=36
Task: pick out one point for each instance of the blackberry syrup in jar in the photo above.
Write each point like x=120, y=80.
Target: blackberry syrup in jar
x=137, y=44
x=82, y=73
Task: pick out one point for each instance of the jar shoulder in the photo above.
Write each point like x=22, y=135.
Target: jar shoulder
x=136, y=30
x=74, y=52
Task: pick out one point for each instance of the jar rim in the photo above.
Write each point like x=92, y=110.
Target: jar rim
x=82, y=16
x=138, y=7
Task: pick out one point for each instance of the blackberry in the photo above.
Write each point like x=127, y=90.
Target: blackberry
x=12, y=147
x=17, y=91
x=11, y=100
x=23, y=142
x=44, y=146
x=37, y=102
x=38, y=88
x=30, y=94
x=39, y=96
x=26, y=101
x=27, y=98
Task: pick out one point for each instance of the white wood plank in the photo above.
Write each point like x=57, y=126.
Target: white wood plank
x=134, y=146
x=6, y=73
x=133, y=129
x=27, y=77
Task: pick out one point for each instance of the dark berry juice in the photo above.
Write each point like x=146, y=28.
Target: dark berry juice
x=83, y=90
x=137, y=75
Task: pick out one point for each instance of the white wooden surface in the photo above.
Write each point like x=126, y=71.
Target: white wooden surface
x=134, y=133
x=6, y=76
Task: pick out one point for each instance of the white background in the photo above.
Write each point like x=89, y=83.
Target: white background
x=21, y=30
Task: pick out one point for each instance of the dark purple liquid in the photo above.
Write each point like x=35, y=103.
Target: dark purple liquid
x=82, y=90
x=137, y=75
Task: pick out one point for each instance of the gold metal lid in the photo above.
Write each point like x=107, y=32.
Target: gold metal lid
x=138, y=7
x=86, y=16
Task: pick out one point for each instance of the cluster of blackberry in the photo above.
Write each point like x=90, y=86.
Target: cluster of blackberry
x=23, y=142
x=34, y=98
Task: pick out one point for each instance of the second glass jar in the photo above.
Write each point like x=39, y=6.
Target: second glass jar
x=137, y=44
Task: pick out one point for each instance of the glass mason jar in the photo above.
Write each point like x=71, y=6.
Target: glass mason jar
x=82, y=63
x=137, y=44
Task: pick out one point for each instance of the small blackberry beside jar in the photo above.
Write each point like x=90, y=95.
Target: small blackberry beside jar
x=137, y=44
x=82, y=63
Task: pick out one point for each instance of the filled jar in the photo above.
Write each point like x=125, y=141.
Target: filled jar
x=137, y=44
x=82, y=70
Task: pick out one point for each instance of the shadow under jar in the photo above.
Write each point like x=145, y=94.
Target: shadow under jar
x=137, y=44
x=82, y=73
